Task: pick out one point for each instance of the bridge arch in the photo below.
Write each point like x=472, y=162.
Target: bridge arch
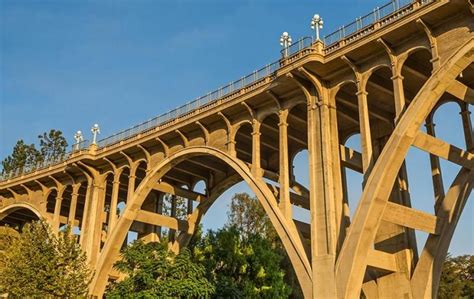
x=286, y=231
x=32, y=211
x=353, y=257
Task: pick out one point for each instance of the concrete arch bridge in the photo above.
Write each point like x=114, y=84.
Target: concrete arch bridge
x=383, y=80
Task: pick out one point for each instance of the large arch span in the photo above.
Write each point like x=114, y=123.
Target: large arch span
x=285, y=230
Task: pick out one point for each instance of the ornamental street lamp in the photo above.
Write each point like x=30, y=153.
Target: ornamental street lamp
x=285, y=42
x=316, y=24
x=78, y=138
x=95, y=130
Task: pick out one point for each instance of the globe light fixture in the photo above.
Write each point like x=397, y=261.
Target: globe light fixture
x=78, y=137
x=95, y=130
x=316, y=24
x=285, y=42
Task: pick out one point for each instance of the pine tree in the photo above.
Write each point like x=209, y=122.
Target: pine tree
x=23, y=156
x=53, y=145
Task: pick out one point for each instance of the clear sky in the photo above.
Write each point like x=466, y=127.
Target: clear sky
x=69, y=64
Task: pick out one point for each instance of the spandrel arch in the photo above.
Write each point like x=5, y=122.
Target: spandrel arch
x=258, y=186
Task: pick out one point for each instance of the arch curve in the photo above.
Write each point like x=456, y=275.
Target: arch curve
x=285, y=230
x=7, y=210
x=350, y=267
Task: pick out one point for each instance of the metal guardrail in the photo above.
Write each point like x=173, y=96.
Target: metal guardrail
x=393, y=8
x=362, y=22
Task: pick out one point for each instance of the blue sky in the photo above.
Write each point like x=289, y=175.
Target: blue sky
x=69, y=64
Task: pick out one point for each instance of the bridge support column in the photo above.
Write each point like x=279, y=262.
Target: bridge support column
x=85, y=215
x=398, y=93
x=365, y=135
x=97, y=212
x=114, y=200
x=256, y=168
x=284, y=175
x=436, y=174
x=57, y=209
x=93, y=214
x=322, y=204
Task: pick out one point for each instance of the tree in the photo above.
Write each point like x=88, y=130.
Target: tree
x=23, y=156
x=242, y=267
x=153, y=271
x=249, y=218
x=41, y=264
x=457, y=277
x=53, y=145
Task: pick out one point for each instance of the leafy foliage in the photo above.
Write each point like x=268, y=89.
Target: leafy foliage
x=40, y=264
x=153, y=272
x=242, y=267
x=457, y=278
x=23, y=155
x=249, y=218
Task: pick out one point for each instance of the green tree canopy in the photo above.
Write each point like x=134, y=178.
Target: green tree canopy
x=154, y=272
x=457, y=278
x=40, y=264
x=242, y=267
x=53, y=145
x=249, y=218
x=23, y=155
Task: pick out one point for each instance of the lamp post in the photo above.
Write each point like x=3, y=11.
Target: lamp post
x=78, y=138
x=95, y=130
x=285, y=42
x=316, y=24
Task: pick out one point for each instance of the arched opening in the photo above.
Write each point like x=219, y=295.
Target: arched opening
x=234, y=166
x=349, y=127
x=301, y=179
x=347, y=110
x=123, y=190
x=415, y=71
x=381, y=106
x=243, y=143
x=298, y=159
x=51, y=201
x=17, y=216
x=448, y=120
x=352, y=179
x=65, y=207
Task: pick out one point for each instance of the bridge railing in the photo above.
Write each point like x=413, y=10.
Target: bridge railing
x=299, y=45
x=189, y=107
x=380, y=15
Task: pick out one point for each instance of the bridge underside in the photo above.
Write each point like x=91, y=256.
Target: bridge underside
x=382, y=90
